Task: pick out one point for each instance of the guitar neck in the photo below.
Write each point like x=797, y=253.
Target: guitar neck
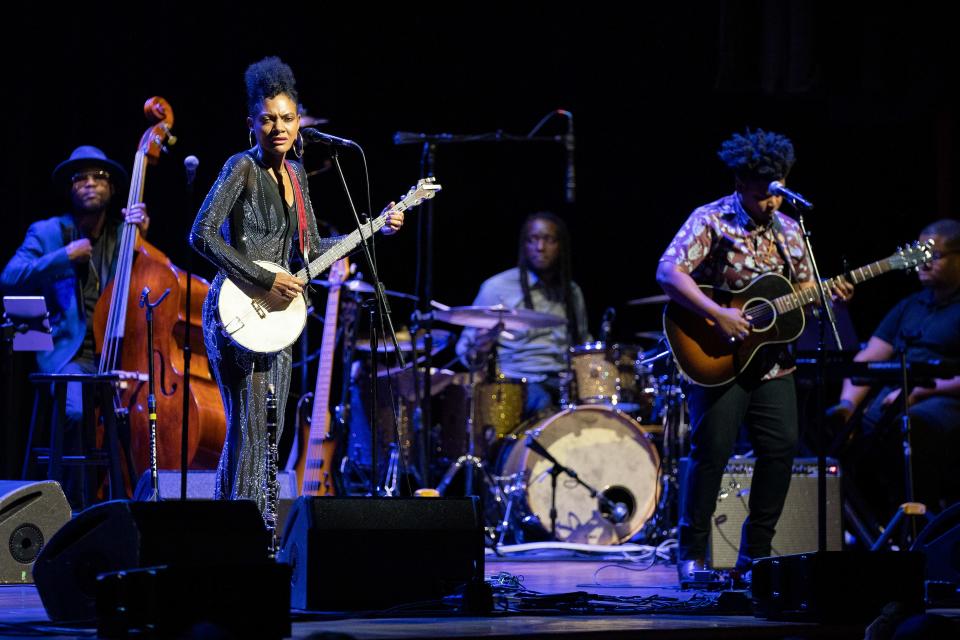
x=810, y=295
x=353, y=240
x=117, y=315
x=342, y=248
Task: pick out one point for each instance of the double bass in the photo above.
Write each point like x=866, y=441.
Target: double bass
x=120, y=335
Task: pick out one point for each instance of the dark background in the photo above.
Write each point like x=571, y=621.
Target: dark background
x=866, y=94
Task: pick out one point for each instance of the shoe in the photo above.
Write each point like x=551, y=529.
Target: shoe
x=741, y=578
x=697, y=574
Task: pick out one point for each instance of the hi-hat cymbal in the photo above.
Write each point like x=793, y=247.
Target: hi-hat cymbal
x=661, y=299
x=440, y=339
x=361, y=286
x=489, y=317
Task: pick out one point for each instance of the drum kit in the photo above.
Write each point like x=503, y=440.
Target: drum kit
x=599, y=469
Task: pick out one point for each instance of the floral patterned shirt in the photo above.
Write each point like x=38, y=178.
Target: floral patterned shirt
x=720, y=245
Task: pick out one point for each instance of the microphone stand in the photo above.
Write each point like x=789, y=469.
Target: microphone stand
x=826, y=316
x=383, y=306
x=615, y=509
x=424, y=317
x=151, y=396
x=187, y=354
x=909, y=508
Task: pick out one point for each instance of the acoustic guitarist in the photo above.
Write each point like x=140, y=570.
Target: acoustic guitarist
x=727, y=244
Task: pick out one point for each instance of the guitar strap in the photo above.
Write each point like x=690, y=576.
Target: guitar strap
x=301, y=213
x=777, y=232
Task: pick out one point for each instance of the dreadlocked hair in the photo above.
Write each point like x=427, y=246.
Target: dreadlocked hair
x=267, y=79
x=758, y=155
x=562, y=290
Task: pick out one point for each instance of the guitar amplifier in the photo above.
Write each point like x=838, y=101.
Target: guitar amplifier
x=797, y=528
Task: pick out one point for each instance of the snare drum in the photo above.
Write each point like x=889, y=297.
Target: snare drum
x=609, y=451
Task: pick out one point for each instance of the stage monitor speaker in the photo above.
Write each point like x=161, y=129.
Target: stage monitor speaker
x=797, y=528
x=837, y=586
x=201, y=485
x=30, y=514
x=375, y=553
x=940, y=543
x=118, y=535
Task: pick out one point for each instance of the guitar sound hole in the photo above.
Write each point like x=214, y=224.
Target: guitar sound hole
x=760, y=313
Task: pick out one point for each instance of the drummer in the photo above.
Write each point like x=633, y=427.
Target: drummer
x=542, y=282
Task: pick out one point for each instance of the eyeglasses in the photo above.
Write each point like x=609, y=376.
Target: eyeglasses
x=536, y=239
x=936, y=255
x=98, y=176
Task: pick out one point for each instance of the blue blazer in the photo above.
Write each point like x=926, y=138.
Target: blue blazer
x=41, y=267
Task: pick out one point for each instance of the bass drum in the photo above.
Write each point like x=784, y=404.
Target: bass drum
x=609, y=451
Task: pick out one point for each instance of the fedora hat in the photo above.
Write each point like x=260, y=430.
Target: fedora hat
x=85, y=156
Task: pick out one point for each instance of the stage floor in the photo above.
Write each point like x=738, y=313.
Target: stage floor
x=630, y=581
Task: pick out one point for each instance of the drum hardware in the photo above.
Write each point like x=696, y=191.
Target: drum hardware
x=676, y=428
x=359, y=286
x=495, y=406
x=658, y=299
x=469, y=460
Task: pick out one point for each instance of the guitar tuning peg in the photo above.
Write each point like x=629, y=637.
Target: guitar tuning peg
x=172, y=140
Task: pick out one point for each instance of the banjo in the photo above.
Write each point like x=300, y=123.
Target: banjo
x=263, y=322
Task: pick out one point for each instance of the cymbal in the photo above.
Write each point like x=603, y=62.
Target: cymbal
x=361, y=286
x=661, y=299
x=649, y=335
x=489, y=317
x=404, y=380
x=440, y=339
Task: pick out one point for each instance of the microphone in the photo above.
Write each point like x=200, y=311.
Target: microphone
x=606, y=323
x=569, y=142
x=312, y=135
x=619, y=512
x=794, y=198
x=190, y=163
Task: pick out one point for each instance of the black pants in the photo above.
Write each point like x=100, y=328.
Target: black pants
x=768, y=409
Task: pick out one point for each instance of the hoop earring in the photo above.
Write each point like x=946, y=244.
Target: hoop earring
x=298, y=146
x=253, y=142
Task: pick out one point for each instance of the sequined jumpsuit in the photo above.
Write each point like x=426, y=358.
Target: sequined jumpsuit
x=243, y=219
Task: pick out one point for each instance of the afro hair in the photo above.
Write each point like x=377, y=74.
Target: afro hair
x=267, y=79
x=758, y=155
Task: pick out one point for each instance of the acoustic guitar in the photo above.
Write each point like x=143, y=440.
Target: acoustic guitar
x=774, y=309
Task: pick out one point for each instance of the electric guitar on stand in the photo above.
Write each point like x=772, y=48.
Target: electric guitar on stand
x=774, y=309
x=263, y=322
x=318, y=447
